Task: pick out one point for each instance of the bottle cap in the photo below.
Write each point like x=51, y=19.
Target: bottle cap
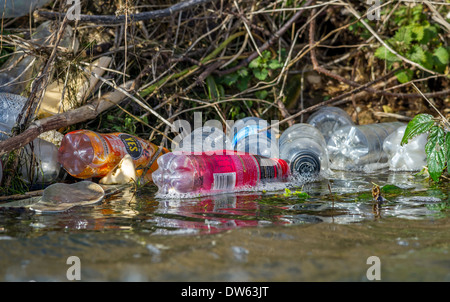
x=306, y=163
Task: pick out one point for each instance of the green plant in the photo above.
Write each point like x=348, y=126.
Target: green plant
x=298, y=194
x=437, y=147
x=417, y=40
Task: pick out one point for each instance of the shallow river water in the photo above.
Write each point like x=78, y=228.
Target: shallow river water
x=247, y=236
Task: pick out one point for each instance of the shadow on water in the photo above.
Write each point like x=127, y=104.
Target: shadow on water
x=245, y=236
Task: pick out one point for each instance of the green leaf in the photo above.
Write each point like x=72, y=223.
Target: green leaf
x=418, y=32
x=242, y=83
x=261, y=94
x=261, y=74
x=447, y=146
x=404, y=76
x=404, y=34
x=274, y=64
x=436, y=152
x=430, y=32
x=256, y=63
x=243, y=72
x=416, y=54
x=230, y=79
x=441, y=56
x=384, y=54
x=421, y=123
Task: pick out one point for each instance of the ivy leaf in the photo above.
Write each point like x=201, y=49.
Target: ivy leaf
x=261, y=74
x=421, y=123
x=436, y=152
x=404, y=76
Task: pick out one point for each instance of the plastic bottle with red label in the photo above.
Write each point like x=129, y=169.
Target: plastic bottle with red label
x=88, y=154
x=209, y=172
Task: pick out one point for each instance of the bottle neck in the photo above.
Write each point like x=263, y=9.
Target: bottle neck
x=305, y=163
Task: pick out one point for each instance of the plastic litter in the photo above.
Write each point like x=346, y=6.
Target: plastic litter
x=88, y=154
x=210, y=173
x=354, y=147
x=205, y=139
x=329, y=119
x=19, y=8
x=409, y=157
x=10, y=107
x=39, y=162
x=304, y=148
x=20, y=67
x=61, y=197
x=123, y=173
x=247, y=137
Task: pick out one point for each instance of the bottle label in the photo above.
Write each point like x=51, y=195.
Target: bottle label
x=246, y=131
x=224, y=181
x=132, y=145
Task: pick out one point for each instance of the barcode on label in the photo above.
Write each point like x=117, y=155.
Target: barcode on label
x=223, y=181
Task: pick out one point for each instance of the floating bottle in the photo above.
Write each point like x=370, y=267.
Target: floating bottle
x=39, y=162
x=409, y=157
x=355, y=147
x=329, y=119
x=10, y=107
x=209, y=173
x=304, y=148
x=248, y=137
x=88, y=154
x=205, y=139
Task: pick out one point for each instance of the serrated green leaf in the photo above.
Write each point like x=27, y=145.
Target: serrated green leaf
x=261, y=74
x=430, y=32
x=441, y=56
x=404, y=76
x=418, y=32
x=404, y=34
x=274, y=64
x=416, y=54
x=384, y=54
x=436, y=152
x=421, y=123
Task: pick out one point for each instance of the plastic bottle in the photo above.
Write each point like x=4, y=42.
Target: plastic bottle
x=205, y=139
x=19, y=69
x=247, y=137
x=354, y=147
x=10, y=107
x=19, y=8
x=88, y=154
x=40, y=162
x=329, y=119
x=304, y=148
x=409, y=157
x=210, y=173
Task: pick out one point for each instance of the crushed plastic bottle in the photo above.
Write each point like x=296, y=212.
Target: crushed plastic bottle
x=10, y=107
x=88, y=154
x=205, y=139
x=248, y=138
x=19, y=8
x=40, y=162
x=329, y=119
x=19, y=69
x=409, y=157
x=182, y=172
x=355, y=147
x=304, y=148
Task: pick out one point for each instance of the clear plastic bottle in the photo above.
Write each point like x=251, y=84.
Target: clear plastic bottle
x=40, y=162
x=355, y=147
x=19, y=8
x=10, y=107
x=88, y=154
x=205, y=139
x=304, y=148
x=247, y=137
x=329, y=119
x=209, y=173
x=409, y=157
x=21, y=66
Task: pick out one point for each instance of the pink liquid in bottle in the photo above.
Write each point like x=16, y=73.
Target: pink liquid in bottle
x=215, y=172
